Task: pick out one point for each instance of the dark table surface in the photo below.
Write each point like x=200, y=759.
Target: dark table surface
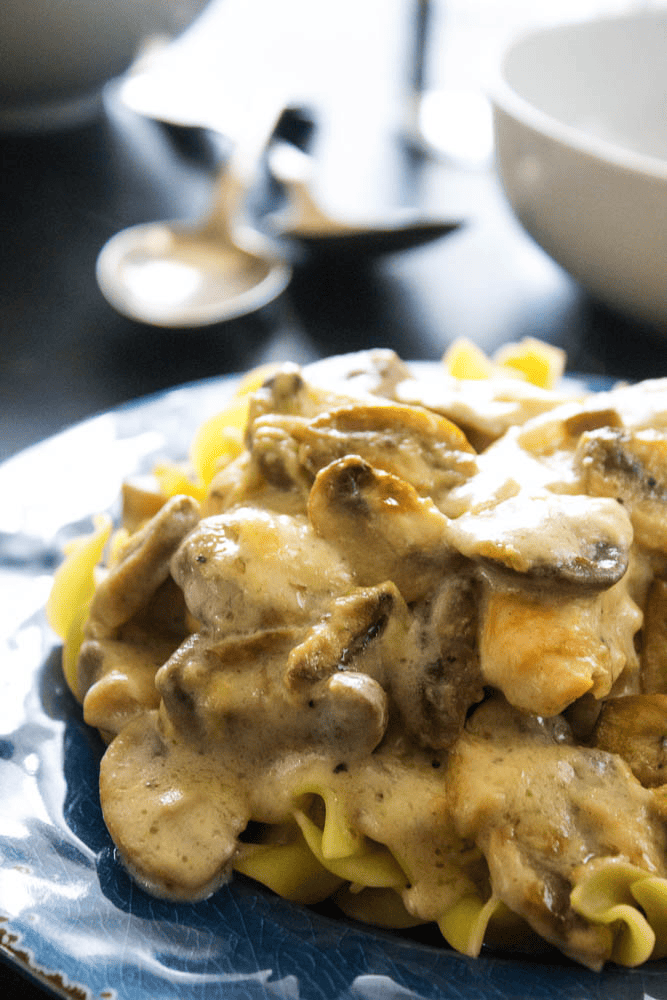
x=66, y=354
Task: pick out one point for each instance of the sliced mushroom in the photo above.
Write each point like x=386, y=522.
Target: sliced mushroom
x=635, y=727
x=144, y=566
x=385, y=530
x=289, y=393
x=354, y=713
x=116, y=676
x=578, y=540
x=252, y=569
x=654, y=639
x=174, y=821
x=347, y=637
x=435, y=677
x=630, y=466
x=275, y=453
x=426, y=450
x=216, y=689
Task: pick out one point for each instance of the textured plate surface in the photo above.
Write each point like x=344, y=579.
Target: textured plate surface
x=69, y=915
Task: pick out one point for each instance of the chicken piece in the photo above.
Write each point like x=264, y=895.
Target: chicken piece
x=435, y=677
x=142, y=568
x=635, y=727
x=539, y=808
x=251, y=569
x=654, y=639
x=630, y=466
x=233, y=691
x=383, y=527
x=545, y=650
x=583, y=541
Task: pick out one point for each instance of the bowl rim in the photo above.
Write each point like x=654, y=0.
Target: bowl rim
x=503, y=97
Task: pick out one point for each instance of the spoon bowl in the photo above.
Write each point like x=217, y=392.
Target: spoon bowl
x=167, y=274
x=176, y=275
x=305, y=222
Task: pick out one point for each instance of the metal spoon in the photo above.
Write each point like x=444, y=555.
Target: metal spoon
x=172, y=274
x=305, y=221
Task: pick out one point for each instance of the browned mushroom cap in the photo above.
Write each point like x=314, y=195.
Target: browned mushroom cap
x=654, y=639
x=425, y=449
x=435, y=678
x=144, y=566
x=381, y=525
x=353, y=712
x=578, y=540
x=630, y=466
x=635, y=727
x=174, y=819
x=347, y=637
x=212, y=687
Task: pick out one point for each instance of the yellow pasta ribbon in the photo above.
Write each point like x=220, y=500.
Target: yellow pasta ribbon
x=72, y=592
x=651, y=894
x=374, y=867
x=337, y=838
x=530, y=359
x=537, y=362
x=342, y=850
x=606, y=894
x=290, y=869
x=219, y=439
x=465, y=360
x=464, y=924
x=380, y=907
x=174, y=481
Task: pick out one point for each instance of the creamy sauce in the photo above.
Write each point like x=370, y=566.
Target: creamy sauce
x=396, y=646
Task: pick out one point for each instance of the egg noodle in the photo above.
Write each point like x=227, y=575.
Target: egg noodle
x=395, y=636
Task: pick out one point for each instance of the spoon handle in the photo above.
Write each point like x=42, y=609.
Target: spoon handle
x=242, y=170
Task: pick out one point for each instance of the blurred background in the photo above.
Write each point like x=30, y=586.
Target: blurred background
x=398, y=90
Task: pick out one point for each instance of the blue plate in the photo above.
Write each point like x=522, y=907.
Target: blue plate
x=69, y=915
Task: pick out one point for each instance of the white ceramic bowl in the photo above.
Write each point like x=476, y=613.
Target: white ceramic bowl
x=580, y=118
x=56, y=55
